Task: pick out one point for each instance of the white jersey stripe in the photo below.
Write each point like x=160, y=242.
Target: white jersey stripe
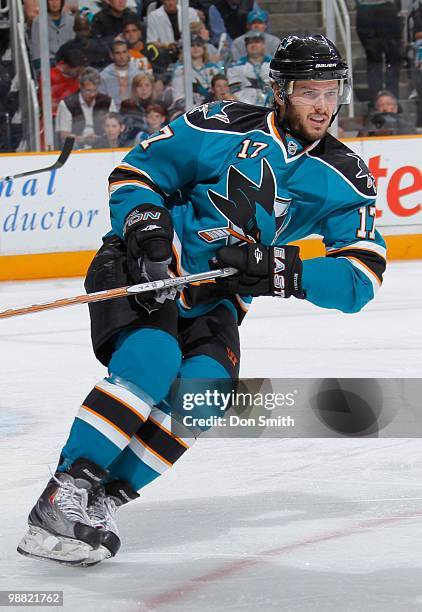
x=365, y=245
x=115, y=187
x=138, y=171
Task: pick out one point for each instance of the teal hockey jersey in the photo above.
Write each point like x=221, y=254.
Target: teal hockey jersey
x=229, y=175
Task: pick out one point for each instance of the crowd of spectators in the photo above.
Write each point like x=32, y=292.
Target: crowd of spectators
x=116, y=66
x=380, y=25
x=117, y=70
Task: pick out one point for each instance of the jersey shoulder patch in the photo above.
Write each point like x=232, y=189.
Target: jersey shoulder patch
x=229, y=116
x=348, y=163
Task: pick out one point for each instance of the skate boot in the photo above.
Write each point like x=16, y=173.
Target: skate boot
x=104, y=501
x=59, y=526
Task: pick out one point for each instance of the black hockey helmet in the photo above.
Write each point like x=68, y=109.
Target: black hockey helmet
x=312, y=57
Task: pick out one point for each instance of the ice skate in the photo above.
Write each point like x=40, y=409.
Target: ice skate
x=59, y=527
x=102, y=508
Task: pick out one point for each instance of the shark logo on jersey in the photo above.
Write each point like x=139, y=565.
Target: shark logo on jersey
x=213, y=111
x=363, y=173
x=253, y=210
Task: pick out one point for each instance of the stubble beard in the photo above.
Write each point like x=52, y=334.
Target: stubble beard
x=298, y=126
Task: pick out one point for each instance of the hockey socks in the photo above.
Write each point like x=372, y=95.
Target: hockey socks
x=108, y=418
x=151, y=452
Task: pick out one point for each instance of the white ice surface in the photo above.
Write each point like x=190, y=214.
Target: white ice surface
x=287, y=525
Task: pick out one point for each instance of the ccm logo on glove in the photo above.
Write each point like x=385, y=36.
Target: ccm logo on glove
x=149, y=250
x=136, y=216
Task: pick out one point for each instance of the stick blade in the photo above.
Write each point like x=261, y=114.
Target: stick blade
x=66, y=151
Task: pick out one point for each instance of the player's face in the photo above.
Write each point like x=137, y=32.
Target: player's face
x=112, y=129
x=311, y=107
x=131, y=34
x=121, y=55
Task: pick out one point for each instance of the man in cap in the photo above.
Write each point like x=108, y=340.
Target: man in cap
x=249, y=76
x=258, y=21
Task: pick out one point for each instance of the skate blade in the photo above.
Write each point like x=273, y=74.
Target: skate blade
x=96, y=556
x=40, y=544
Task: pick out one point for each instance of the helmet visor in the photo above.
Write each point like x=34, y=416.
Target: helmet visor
x=310, y=92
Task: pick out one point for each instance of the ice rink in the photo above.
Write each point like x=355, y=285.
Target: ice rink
x=315, y=525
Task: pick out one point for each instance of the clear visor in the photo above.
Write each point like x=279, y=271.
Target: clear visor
x=331, y=93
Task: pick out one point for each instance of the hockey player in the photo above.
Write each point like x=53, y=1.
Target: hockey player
x=227, y=184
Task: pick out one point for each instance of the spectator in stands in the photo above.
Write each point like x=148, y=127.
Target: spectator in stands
x=116, y=79
x=164, y=25
x=5, y=82
x=379, y=30
x=96, y=52
x=113, y=132
x=258, y=21
x=229, y=17
x=202, y=73
x=31, y=9
x=220, y=89
x=109, y=21
x=60, y=30
x=132, y=34
x=198, y=28
x=387, y=120
x=65, y=76
x=134, y=109
x=81, y=114
x=415, y=17
x=155, y=119
x=248, y=77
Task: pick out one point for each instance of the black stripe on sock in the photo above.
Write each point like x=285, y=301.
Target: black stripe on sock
x=113, y=410
x=161, y=442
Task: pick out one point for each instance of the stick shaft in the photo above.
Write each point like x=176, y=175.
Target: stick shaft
x=61, y=160
x=110, y=294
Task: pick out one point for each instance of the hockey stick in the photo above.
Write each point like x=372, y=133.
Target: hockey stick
x=110, y=294
x=61, y=160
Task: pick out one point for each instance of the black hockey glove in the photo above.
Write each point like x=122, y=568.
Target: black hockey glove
x=148, y=233
x=263, y=270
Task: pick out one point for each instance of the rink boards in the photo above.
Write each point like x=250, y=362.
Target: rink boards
x=51, y=224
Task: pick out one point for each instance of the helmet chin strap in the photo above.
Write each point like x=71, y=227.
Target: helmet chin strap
x=335, y=115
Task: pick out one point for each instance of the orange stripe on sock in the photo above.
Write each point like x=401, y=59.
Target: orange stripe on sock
x=145, y=445
x=100, y=416
x=143, y=419
x=168, y=432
